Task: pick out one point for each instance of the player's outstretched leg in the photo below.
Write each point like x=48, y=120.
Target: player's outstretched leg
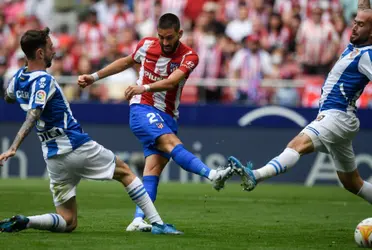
x=171, y=144
x=287, y=159
x=138, y=194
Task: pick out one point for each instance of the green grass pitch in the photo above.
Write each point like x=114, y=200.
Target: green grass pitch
x=270, y=217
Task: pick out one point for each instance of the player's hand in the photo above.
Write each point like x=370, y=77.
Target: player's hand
x=133, y=90
x=85, y=80
x=6, y=155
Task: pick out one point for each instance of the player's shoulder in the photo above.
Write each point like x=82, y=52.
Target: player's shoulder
x=144, y=40
x=186, y=50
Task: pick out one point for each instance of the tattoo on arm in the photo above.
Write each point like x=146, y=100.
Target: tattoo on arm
x=8, y=99
x=364, y=4
x=32, y=116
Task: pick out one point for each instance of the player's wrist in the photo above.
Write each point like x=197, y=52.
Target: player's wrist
x=95, y=76
x=147, y=87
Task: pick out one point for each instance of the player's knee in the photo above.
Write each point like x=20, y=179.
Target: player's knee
x=122, y=170
x=167, y=142
x=302, y=144
x=71, y=223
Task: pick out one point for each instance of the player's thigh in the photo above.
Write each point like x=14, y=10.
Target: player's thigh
x=343, y=156
x=147, y=124
x=155, y=164
x=68, y=210
x=62, y=178
x=99, y=162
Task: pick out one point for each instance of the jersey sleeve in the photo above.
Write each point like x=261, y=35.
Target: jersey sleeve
x=10, y=90
x=41, y=92
x=365, y=65
x=189, y=63
x=136, y=55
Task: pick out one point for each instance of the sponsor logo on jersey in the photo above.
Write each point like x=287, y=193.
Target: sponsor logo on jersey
x=40, y=97
x=190, y=65
x=152, y=77
x=22, y=94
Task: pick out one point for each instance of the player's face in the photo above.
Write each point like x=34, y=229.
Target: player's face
x=361, y=32
x=169, y=39
x=49, y=53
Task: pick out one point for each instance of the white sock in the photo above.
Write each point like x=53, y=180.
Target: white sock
x=51, y=222
x=287, y=159
x=366, y=191
x=138, y=194
x=212, y=174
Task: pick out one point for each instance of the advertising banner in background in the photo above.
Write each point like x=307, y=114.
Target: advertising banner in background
x=211, y=132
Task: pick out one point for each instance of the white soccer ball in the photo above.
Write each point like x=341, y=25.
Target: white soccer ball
x=363, y=233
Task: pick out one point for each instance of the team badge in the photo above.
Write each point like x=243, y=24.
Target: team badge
x=173, y=66
x=40, y=97
x=320, y=117
x=42, y=82
x=354, y=53
x=160, y=125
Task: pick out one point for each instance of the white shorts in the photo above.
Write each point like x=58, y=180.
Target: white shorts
x=332, y=132
x=90, y=161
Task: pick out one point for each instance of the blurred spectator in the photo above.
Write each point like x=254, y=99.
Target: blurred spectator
x=147, y=26
x=92, y=34
x=240, y=27
x=65, y=15
x=121, y=18
x=104, y=9
x=20, y=61
x=250, y=65
x=259, y=10
x=317, y=44
x=43, y=10
x=278, y=35
x=2, y=76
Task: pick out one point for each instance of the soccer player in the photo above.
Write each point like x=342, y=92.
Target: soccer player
x=166, y=64
x=70, y=154
x=336, y=124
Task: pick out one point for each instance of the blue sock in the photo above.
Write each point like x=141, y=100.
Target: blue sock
x=189, y=162
x=150, y=182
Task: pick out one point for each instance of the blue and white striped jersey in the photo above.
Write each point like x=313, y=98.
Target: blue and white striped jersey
x=347, y=79
x=57, y=129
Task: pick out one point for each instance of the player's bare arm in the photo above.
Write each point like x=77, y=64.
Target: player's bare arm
x=363, y=4
x=171, y=82
x=111, y=69
x=8, y=99
x=32, y=116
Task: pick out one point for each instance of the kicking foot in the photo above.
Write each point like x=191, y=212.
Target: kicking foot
x=164, y=229
x=223, y=173
x=245, y=172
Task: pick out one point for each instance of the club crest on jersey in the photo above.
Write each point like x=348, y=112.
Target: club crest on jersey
x=160, y=125
x=354, y=53
x=42, y=82
x=40, y=97
x=173, y=66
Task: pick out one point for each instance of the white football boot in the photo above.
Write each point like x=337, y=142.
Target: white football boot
x=139, y=224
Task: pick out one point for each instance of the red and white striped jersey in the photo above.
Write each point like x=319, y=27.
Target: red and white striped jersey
x=156, y=66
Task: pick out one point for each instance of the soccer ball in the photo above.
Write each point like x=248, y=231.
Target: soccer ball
x=363, y=233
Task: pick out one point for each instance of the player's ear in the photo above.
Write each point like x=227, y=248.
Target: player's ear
x=39, y=53
x=180, y=33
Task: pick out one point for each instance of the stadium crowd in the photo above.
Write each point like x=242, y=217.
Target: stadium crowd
x=242, y=42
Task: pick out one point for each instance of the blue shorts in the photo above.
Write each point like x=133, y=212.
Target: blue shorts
x=148, y=123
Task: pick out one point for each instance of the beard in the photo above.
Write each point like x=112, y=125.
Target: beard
x=48, y=62
x=171, y=51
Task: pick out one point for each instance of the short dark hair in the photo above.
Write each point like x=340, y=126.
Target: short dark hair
x=168, y=21
x=33, y=40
